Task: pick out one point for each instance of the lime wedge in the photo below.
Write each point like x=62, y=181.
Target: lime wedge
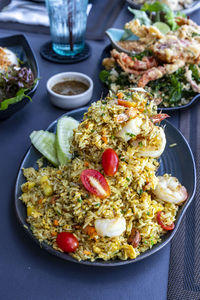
x=45, y=143
x=163, y=27
x=64, y=134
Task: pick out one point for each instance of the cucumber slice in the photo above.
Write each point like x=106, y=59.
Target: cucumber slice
x=64, y=134
x=45, y=143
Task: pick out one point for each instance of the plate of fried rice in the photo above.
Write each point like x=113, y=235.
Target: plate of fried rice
x=121, y=196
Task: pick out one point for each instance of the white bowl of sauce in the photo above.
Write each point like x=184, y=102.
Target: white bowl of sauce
x=70, y=89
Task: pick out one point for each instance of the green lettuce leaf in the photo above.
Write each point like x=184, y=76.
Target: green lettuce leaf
x=18, y=97
x=163, y=11
x=155, y=7
x=141, y=16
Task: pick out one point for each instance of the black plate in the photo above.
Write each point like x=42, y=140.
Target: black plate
x=106, y=53
x=20, y=46
x=177, y=161
x=188, y=10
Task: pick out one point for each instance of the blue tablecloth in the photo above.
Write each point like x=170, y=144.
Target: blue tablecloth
x=28, y=272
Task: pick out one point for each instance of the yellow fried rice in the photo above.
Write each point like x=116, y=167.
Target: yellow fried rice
x=57, y=201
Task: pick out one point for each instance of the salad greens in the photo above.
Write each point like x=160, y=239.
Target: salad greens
x=14, y=83
x=152, y=13
x=141, y=16
x=171, y=87
x=158, y=12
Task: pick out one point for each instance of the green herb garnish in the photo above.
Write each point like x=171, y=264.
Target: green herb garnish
x=140, y=192
x=130, y=134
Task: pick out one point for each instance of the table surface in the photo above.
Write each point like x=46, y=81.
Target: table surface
x=26, y=270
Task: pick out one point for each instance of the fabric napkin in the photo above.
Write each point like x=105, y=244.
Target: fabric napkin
x=27, y=12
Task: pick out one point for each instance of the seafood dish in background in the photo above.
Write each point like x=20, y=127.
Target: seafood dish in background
x=165, y=61
x=103, y=198
x=173, y=4
x=15, y=79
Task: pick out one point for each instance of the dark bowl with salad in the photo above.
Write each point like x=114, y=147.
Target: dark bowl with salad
x=18, y=82
x=163, y=57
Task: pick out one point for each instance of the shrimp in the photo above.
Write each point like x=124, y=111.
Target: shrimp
x=129, y=113
x=110, y=227
x=159, y=72
x=170, y=190
x=183, y=21
x=133, y=66
x=131, y=129
x=159, y=117
x=151, y=74
x=155, y=151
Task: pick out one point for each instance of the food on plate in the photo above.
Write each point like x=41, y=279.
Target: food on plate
x=173, y=4
x=55, y=147
x=106, y=202
x=7, y=59
x=167, y=67
x=15, y=80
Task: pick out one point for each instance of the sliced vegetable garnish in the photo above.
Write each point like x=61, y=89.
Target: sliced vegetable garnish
x=67, y=242
x=159, y=117
x=110, y=162
x=163, y=27
x=126, y=103
x=95, y=183
x=64, y=134
x=44, y=142
x=160, y=222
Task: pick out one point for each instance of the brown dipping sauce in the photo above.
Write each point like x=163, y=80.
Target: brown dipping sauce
x=70, y=87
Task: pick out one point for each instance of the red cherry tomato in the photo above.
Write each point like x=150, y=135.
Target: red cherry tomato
x=160, y=222
x=95, y=183
x=67, y=242
x=110, y=162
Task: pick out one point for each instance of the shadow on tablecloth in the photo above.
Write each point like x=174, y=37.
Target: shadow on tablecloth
x=184, y=269
x=101, y=17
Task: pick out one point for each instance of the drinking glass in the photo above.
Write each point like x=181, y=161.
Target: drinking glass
x=68, y=19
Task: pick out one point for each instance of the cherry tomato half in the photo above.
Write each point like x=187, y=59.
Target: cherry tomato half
x=67, y=242
x=110, y=162
x=160, y=222
x=95, y=183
